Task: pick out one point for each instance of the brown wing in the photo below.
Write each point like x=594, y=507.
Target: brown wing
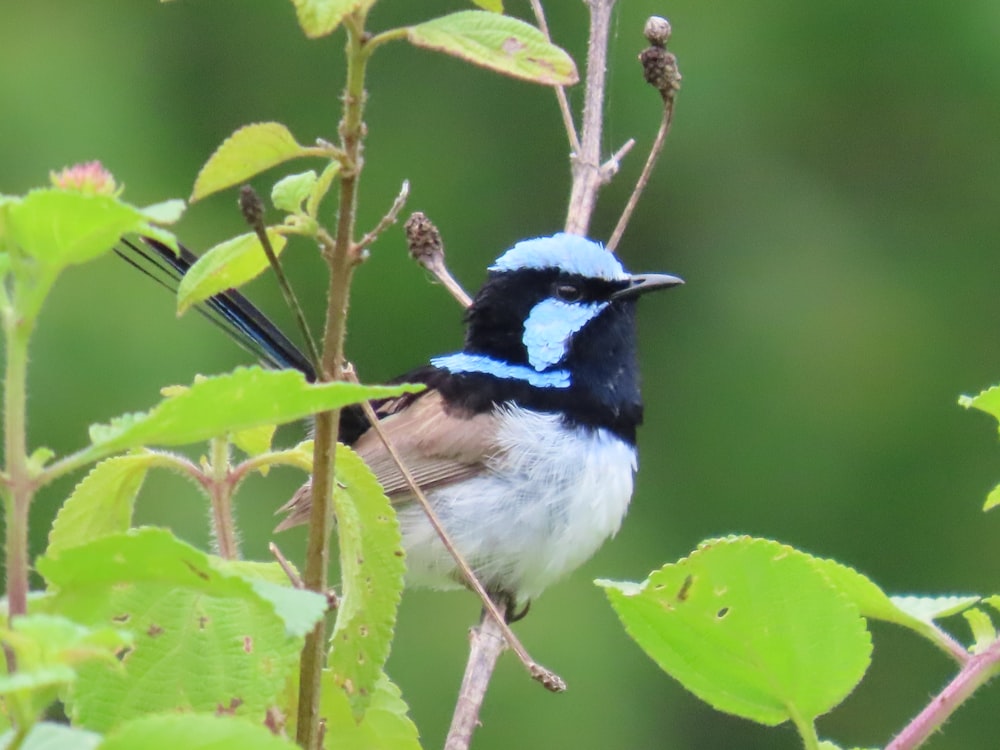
x=437, y=448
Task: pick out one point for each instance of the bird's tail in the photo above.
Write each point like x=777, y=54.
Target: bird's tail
x=229, y=310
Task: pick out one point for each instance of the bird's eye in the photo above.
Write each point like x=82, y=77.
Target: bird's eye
x=568, y=292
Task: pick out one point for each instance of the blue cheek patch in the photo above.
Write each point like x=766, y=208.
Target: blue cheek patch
x=479, y=363
x=550, y=326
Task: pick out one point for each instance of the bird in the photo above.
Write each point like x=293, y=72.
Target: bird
x=524, y=439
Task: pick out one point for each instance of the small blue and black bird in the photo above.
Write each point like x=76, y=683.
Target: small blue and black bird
x=525, y=440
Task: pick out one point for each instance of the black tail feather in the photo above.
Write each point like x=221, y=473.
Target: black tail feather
x=229, y=310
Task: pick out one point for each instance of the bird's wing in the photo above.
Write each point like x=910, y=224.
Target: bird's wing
x=436, y=446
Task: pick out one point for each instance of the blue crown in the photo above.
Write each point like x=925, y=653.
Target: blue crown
x=566, y=252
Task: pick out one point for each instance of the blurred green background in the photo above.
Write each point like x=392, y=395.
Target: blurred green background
x=829, y=192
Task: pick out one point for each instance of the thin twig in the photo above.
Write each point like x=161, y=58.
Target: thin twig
x=486, y=643
x=549, y=679
x=253, y=212
x=586, y=161
x=386, y=221
x=660, y=71
x=610, y=168
x=567, y=115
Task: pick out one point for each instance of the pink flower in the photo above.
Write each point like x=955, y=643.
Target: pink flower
x=90, y=179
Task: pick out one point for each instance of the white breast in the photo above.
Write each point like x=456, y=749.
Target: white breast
x=553, y=495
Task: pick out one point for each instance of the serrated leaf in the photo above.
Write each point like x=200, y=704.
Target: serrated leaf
x=372, y=568
x=385, y=726
x=101, y=504
x=290, y=192
x=60, y=228
x=501, y=43
x=46, y=735
x=750, y=626
x=244, y=398
x=249, y=151
x=227, y=265
x=930, y=608
x=206, y=638
x=987, y=401
x=321, y=17
x=193, y=732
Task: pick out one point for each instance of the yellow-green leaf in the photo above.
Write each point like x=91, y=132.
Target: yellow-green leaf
x=501, y=43
x=226, y=266
x=247, y=152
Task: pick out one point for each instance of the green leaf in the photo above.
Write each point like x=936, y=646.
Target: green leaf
x=930, y=608
x=987, y=401
x=750, y=626
x=244, y=398
x=320, y=17
x=226, y=266
x=494, y=6
x=255, y=440
x=101, y=504
x=372, y=568
x=289, y=192
x=60, y=228
x=193, y=732
x=321, y=188
x=49, y=736
x=385, y=726
x=246, y=153
x=983, y=632
x=992, y=499
x=206, y=638
x=501, y=43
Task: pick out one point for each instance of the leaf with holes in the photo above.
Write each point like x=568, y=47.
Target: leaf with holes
x=371, y=562
x=205, y=638
x=501, y=43
x=750, y=626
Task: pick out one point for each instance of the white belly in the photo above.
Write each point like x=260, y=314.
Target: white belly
x=552, y=497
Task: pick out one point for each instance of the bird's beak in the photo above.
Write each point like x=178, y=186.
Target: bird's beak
x=646, y=282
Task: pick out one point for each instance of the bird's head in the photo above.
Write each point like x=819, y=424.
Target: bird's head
x=557, y=303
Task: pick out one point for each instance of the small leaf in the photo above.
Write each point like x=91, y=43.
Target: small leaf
x=992, y=499
x=385, y=725
x=372, y=568
x=321, y=17
x=167, y=212
x=983, y=632
x=255, y=440
x=244, y=398
x=750, y=626
x=494, y=6
x=500, y=43
x=289, y=192
x=246, y=153
x=930, y=608
x=321, y=188
x=226, y=266
x=193, y=732
x=101, y=504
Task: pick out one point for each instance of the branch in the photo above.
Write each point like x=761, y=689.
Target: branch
x=586, y=163
x=485, y=646
x=977, y=672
